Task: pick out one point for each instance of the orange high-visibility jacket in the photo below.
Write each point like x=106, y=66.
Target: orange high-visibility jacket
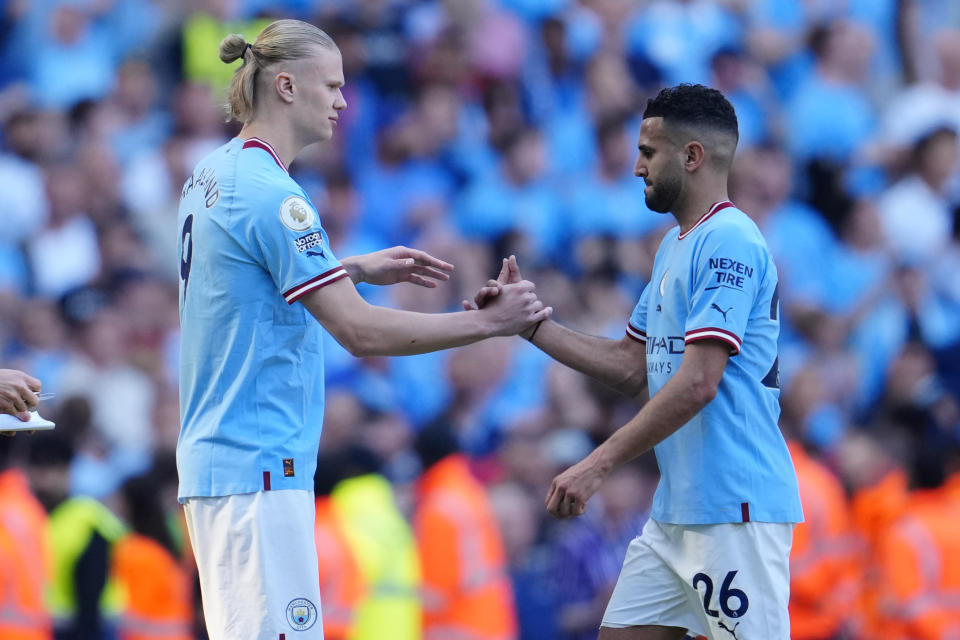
x=156, y=589
x=467, y=593
x=919, y=564
x=25, y=567
x=341, y=582
x=875, y=509
x=824, y=567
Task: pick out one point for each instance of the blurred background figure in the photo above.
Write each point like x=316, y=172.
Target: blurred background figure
x=341, y=582
x=156, y=587
x=24, y=551
x=85, y=600
x=466, y=589
x=919, y=557
x=382, y=543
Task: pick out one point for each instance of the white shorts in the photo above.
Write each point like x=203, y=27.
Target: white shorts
x=258, y=565
x=722, y=581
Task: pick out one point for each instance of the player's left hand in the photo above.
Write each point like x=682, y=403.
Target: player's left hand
x=398, y=264
x=570, y=490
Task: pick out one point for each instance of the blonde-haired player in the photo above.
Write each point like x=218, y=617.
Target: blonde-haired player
x=256, y=275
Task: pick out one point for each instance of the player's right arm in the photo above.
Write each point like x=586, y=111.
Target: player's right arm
x=620, y=364
x=367, y=330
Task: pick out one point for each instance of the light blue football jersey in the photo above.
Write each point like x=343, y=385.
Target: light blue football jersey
x=251, y=364
x=717, y=281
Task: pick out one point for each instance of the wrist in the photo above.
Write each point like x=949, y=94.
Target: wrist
x=529, y=333
x=601, y=461
x=353, y=269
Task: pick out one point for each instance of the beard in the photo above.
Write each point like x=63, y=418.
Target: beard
x=665, y=193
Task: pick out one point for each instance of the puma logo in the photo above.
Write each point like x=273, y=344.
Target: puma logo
x=713, y=305
x=733, y=631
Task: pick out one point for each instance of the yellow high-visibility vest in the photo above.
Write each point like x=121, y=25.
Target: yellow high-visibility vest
x=71, y=527
x=383, y=545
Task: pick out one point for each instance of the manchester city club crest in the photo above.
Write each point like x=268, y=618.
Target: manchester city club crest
x=301, y=614
x=296, y=214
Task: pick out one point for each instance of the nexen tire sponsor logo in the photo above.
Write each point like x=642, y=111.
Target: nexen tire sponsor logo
x=308, y=241
x=729, y=273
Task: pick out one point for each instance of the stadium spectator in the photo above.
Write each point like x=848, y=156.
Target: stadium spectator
x=915, y=212
x=830, y=114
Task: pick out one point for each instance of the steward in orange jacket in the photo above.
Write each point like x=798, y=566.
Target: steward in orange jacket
x=156, y=588
x=824, y=568
x=24, y=557
x=467, y=592
x=919, y=562
x=880, y=498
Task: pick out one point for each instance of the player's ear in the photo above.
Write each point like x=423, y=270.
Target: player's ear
x=694, y=155
x=283, y=84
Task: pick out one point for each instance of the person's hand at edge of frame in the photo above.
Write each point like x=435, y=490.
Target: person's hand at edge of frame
x=18, y=395
x=398, y=264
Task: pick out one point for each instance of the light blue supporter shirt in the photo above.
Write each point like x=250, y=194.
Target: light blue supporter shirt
x=730, y=463
x=251, y=371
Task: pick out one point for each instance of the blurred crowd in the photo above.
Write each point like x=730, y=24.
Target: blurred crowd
x=476, y=129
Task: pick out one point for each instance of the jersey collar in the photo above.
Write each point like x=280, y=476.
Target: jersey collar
x=263, y=144
x=717, y=206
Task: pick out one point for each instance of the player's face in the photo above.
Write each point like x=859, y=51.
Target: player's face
x=660, y=165
x=323, y=100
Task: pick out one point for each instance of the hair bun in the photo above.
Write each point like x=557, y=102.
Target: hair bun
x=231, y=47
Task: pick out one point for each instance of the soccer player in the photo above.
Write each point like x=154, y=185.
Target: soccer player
x=714, y=556
x=256, y=275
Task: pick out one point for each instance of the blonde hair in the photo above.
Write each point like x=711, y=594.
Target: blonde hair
x=279, y=41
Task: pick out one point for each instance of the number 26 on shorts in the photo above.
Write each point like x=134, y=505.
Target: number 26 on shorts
x=727, y=593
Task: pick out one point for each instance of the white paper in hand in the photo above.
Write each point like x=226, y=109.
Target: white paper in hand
x=13, y=423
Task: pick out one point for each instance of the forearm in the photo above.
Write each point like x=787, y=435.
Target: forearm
x=672, y=407
x=381, y=331
x=603, y=359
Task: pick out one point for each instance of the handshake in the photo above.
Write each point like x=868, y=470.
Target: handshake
x=511, y=302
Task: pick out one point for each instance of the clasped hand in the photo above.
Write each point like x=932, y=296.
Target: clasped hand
x=509, y=275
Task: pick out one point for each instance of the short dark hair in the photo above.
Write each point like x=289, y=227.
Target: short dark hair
x=694, y=105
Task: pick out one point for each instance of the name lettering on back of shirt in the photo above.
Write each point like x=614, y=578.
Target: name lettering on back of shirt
x=206, y=179
x=729, y=273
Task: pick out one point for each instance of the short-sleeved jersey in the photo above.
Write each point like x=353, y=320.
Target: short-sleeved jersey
x=730, y=463
x=251, y=365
